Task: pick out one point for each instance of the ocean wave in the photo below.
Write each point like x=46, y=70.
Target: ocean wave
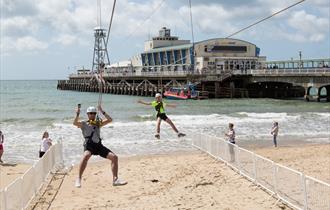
x=147, y=117
x=37, y=121
x=137, y=137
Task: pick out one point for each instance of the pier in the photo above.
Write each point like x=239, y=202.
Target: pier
x=273, y=81
x=218, y=68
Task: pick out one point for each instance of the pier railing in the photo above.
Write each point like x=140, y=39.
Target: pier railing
x=292, y=187
x=210, y=72
x=21, y=191
x=284, y=72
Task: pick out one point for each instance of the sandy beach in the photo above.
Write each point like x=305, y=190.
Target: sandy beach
x=9, y=172
x=174, y=181
x=313, y=160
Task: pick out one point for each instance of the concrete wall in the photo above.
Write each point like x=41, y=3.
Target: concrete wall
x=152, y=44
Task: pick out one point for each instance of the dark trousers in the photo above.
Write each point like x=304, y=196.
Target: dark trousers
x=275, y=140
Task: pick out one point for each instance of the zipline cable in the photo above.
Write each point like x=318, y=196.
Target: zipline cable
x=266, y=18
x=101, y=66
x=146, y=19
x=110, y=24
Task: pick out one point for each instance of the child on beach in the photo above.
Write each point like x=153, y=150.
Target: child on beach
x=2, y=138
x=46, y=143
x=231, y=138
x=274, y=132
x=161, y=115
x=93, y=145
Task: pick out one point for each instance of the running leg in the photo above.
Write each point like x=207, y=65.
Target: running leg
x=82, y=166
x=83, y=162
x=159, y=120
x=114, y=164
x=1, y=152
x=172, y=125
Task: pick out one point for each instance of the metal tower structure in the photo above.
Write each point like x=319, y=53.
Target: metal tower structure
x=100, y=55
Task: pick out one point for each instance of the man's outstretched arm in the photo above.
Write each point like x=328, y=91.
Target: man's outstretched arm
x=144, y=103
x=171, y=105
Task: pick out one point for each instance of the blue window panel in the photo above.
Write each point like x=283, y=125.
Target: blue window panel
x=191, y=51
x=168, y=54
x=176, y=57
x=154, y=55
x=161, y=57
x=143, y=59
x=257, y=51
x=149, y=59
x=184, y=59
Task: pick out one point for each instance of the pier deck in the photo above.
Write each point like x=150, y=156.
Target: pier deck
x=275, y=83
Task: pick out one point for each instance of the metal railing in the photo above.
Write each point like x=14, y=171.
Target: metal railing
x=21, y=191
x=276, y=72
x=266, y=72
x=291, y=186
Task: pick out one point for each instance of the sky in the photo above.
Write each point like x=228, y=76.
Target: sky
x=49, y=39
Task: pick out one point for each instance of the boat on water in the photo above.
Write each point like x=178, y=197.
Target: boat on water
x=181, y=93
x=176, y=94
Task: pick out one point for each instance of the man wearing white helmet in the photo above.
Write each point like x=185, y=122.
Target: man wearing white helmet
x=93, y=145
x=161, y=115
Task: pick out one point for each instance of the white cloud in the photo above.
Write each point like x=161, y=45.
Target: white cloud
x=30, y=44
x=66, y=39
x=67, y=22
x=310, y=27
x=18, y=26
x=26, y=44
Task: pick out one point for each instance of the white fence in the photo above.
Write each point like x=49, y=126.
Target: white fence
x=291, y=186
x=20, y=192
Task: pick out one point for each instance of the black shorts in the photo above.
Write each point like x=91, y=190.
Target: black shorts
x=162, y=116
x=41, y=154
x=96, y=149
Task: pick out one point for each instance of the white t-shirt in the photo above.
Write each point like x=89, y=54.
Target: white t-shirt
x=45, y=144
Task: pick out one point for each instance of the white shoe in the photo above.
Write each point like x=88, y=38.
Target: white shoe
x=118, y=182
x=78, y=183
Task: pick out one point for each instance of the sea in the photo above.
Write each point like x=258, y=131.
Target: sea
x=28, y=108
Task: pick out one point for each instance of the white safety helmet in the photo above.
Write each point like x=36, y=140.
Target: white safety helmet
x=158, y=95
x=91, y=109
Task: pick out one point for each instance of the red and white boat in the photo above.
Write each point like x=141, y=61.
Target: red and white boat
x=176, y=94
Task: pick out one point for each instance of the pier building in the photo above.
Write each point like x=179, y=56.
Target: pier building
x=222, y=67
x=170, y=54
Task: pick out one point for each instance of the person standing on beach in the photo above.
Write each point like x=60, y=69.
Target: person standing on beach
x=93, y=145
x=274, y=132
x=231, y=138
x=161, y=115
x=2, y=139
x=46, y=143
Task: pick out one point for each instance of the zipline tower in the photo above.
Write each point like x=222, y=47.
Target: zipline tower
x=100, y=55
x=100, y=50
